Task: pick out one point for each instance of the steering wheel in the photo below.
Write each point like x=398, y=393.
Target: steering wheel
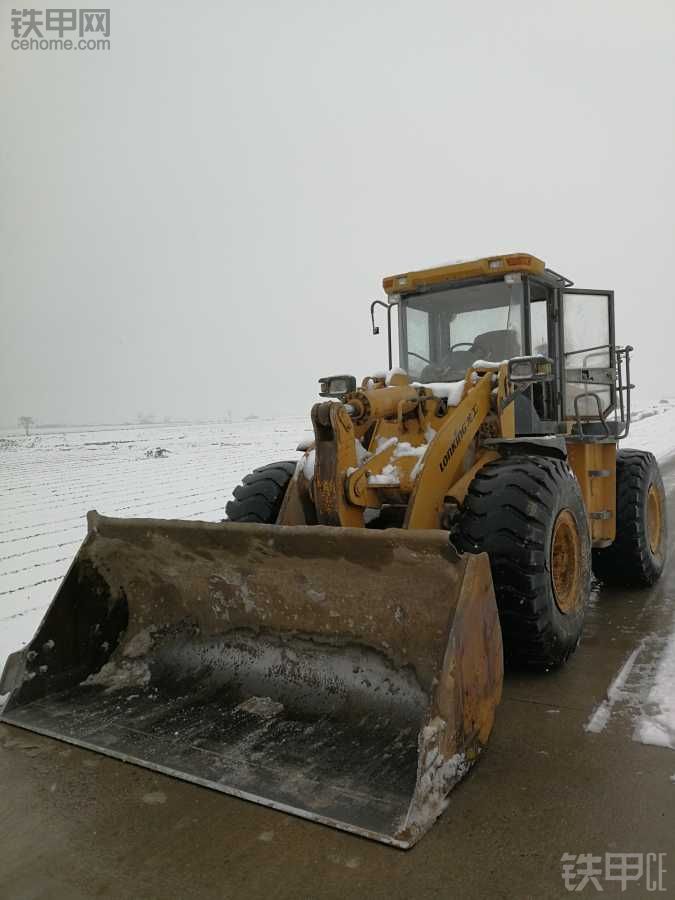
x=461, y=344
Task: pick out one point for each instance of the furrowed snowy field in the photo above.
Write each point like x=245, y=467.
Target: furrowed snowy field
x=49, y=480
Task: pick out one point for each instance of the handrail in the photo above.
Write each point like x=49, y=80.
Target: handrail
x=622, y=414
x=589, y=349
x=628, y=387
x=598, y=403
x=376, y=328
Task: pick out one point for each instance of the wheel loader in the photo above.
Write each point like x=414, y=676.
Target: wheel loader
x=335, y=648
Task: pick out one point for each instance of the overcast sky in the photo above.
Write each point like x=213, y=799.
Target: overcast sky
x=196, y=220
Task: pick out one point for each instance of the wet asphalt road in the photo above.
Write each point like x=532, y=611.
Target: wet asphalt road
x=74, y=824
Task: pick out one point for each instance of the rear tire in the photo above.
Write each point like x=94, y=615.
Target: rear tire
x=259, y=497
x=638, y=553
x=527, y=513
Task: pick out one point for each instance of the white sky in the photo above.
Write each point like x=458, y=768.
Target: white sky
x=197, y=220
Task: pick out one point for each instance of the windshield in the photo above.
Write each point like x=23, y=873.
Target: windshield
x=447, y=331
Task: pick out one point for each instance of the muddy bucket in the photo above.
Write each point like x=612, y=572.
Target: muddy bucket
x=348, y=676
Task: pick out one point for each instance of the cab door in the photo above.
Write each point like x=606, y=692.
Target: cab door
x=589, y=357
x=589, y=396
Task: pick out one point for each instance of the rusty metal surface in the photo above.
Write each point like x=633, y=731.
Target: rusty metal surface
x=344, y=675
x=335, y=451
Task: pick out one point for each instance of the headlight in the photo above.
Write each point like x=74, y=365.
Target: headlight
x=336, y=385
x=530, y=368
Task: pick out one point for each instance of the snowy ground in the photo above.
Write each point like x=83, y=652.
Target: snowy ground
x=50, y=480
x=653, y=428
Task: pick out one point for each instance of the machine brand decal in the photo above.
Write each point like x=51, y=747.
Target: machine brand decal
x=456, y=441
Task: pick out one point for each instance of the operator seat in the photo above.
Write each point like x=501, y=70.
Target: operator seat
x=495, y=346
x=491, y=346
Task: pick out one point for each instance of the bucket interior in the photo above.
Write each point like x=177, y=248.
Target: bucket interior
x=294, y=667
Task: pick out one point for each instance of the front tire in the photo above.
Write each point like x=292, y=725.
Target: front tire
x=527, y=513
x=638, y=554
x=259, y=497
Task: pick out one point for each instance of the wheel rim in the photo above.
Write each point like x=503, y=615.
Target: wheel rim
x=654, y=519
x=566, y=562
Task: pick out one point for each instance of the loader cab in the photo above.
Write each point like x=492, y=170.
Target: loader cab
x=498, y=308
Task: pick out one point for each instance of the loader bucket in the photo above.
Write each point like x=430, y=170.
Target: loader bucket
x=345, y=675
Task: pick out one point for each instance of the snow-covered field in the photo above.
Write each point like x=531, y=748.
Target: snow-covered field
x=48, y=482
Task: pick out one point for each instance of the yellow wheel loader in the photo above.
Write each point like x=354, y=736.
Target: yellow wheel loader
x=334, y=649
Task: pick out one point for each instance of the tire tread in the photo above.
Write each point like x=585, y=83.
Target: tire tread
x=507, y=513
x=629, y=559
x=260, y=495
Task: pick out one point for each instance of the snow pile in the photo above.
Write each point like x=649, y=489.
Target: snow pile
x=389, y=477
x=657, y=722
x=403, y=448
x=308, y=464
x=382, y=443
x=487, y=364
x=436, y=776
x=390, y=375
x=452, y=391
x=116, y=675
x=406, y=449
x=644, y=690
x=615, y=692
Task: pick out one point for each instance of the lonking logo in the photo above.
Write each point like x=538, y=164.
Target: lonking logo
x=456, y=441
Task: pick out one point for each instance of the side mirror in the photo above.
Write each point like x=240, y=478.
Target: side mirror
x=530, y=369
x=336, y=385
